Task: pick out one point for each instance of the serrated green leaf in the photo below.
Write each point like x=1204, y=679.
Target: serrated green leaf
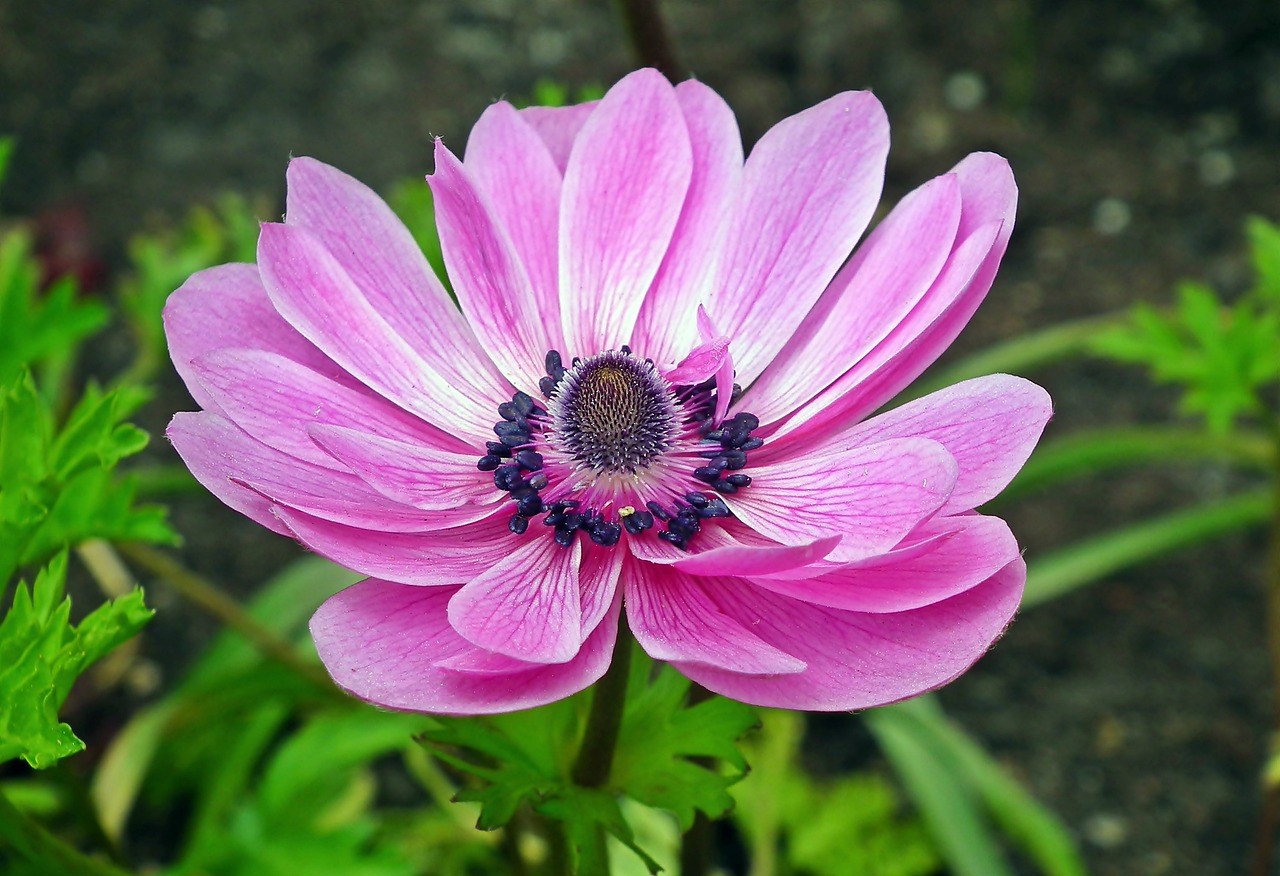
x=41, y=655
x=664, y=745
x=37, y=325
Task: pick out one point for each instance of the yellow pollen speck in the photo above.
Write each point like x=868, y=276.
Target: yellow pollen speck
x=626, y=511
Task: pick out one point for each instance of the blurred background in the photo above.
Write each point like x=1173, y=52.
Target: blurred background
x=1142, y=135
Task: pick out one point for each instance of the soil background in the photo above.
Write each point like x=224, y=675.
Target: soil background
x=1142, y=134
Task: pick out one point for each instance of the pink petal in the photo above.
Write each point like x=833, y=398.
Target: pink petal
x=676, y=618
x=623, y=190
x=974, y=550
x=559, y=126
x=751, y=560
x=385, y=643
x=449, y=557
x=988, y=200
x=989, y=424
x=856, y=660
x=275, y=400
x=598, y=576
x=870, y=296
x=224, y=307
x=217, y=451
x=188, y=432
x=528, y=606
x=871, y=495
x=386, y=264
x=488, y=274
x=665, y=327
x=704, y=361
x=413, y=474
x=808, y=191
x=311, y=290
x=515, y=173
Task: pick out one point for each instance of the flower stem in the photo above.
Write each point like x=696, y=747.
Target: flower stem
x=595, y=758
x=651, y=38
x=207, y=596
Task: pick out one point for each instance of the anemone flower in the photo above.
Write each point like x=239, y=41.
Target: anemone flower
x=656, y=394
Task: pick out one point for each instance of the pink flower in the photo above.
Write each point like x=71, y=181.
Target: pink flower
x=569, y=442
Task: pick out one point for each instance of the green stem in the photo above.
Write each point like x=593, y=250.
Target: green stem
x=600, y=738
x=35, y=844
x=207, y=596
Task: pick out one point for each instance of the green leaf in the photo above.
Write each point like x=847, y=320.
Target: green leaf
x=850, y=826
x=1027, y=823
x=1089, y=561
x=59, y=487
x=667, y=749
x=946, y=799
x=42, y=654
x=6, y=152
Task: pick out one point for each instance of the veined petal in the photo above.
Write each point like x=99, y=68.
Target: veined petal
x=989, y=424
x=856, y=660
x=527, y=606
x=385, y=643
x=988, y=200
x=383, y=260
x=623, y=190
x=752, y=560
x=275, y=400
x=311, y=290
x=871, y=495
x=205, y=458
x=413, y=474
x=488, y=274
x=665, y=327
x=512, y=167
x=808, y=190
x=559, y=126
x=217, y=451
x=870, y=296
x=676, y=618
x=449, y=557
x=972, y=551
x=224, y=307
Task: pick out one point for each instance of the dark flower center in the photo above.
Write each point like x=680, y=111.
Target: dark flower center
x=613, y=413
x=618, y=448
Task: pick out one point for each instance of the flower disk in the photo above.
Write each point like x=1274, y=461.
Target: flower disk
x=613, y=414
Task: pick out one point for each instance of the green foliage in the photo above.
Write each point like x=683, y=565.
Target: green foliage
x=963, y=794
x=663, y=758
x=1223, y=355
x=58, y=486
x=853, y=825
x=42, y=653
x=39, y=329
x=160, y=263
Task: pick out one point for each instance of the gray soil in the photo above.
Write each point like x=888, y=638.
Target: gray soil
x=1142, y=135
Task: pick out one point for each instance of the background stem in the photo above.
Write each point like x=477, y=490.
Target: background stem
x=651, y=38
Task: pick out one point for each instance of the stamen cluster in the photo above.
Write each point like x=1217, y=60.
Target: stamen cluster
x=608, y=419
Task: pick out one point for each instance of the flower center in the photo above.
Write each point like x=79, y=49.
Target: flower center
x=617, y=447
x=613, y=414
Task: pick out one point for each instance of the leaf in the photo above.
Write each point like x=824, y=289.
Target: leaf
x=59, y=487
x=1264, y=247
x=1022, y=818
x=42, y=654
x=38, y=327
x=664, y=746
